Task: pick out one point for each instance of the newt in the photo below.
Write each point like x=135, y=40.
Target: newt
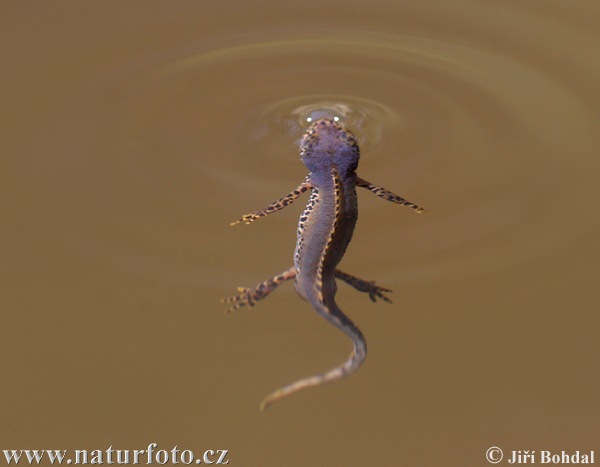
x=331, y=154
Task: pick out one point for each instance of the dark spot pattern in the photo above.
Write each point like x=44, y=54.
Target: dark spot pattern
x=310, y=206
x=276, y=206
x=249, y=296
x=388, y=195
x=337, y=191
x=329, y=150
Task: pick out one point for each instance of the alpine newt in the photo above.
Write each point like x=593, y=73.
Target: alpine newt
x=331, y=153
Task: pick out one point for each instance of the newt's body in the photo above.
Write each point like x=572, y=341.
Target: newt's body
x=331, y=154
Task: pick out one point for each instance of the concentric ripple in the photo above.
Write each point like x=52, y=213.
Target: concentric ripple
x=471, y=127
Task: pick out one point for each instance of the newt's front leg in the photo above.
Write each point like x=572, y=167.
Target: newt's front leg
x=248, y=297
x=362, y=285
x=277, y=205
x=387, y=195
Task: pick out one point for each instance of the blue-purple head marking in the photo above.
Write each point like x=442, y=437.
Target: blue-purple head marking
x=328, y=144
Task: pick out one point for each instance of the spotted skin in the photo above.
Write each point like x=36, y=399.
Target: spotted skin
x=331, y=154
x=249, y=296
x=276, y=206
x=387, y=195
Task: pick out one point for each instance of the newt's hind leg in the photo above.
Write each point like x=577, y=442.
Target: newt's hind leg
x=248, y=297
x=362, y=285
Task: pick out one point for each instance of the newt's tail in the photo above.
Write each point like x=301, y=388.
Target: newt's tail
x=334, y=315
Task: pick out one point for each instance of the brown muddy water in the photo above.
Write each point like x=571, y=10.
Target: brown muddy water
x=135, y=132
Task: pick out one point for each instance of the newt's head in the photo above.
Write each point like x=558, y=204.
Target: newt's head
x=328, y=144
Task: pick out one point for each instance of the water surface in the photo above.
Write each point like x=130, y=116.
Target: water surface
x=137, y=132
